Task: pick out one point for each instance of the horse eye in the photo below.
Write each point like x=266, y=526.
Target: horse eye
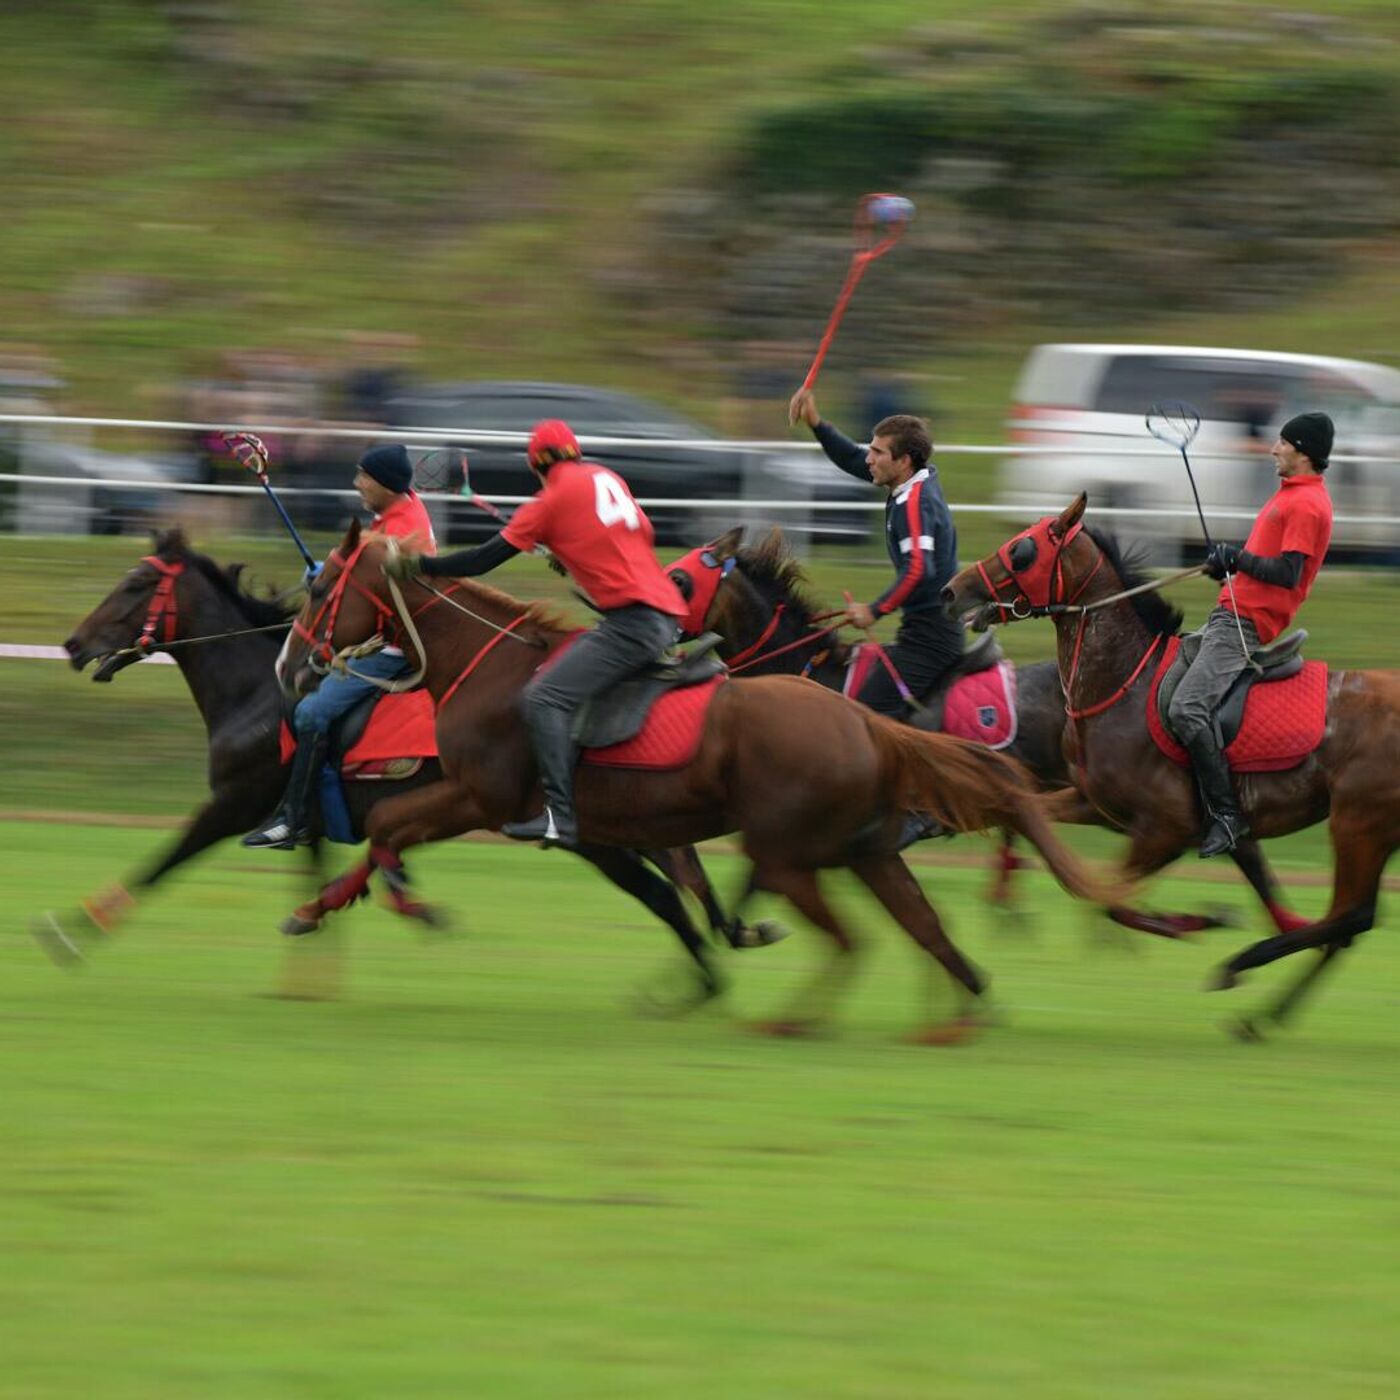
x=683, y=582
x=1023, y=554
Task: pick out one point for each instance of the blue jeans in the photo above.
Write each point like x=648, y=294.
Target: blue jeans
x=338, y=694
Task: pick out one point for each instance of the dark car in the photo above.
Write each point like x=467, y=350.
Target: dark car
x=651, y=462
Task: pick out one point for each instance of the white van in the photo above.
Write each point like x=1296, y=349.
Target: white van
x=1097, y=396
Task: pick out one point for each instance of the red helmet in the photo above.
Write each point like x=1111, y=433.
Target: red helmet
x=552, y=441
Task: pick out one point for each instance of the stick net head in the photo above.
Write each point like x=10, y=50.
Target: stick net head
x=1174, y=423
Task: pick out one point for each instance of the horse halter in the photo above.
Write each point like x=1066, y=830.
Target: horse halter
x=162, y=614
x=318, y=635
x=1037, y=574
x=705, y=573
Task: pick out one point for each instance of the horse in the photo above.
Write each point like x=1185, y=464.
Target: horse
x=809, y=779
x=226, y=642
x=1074, y=574
x=755, y=598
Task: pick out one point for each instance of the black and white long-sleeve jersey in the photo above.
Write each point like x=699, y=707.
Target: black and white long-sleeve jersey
x=919, y=532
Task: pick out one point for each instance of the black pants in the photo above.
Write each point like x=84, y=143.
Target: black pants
x=923, y=649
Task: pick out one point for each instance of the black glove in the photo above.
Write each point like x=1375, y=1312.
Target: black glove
x=1222, y=559
x=557, y=564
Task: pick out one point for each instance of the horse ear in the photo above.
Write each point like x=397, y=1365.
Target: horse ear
x=352, y=537
x=727, y=545
x=1070, y=516
x=169, y=542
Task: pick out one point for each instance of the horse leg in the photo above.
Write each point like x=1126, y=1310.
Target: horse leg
x=1005, y=863
x=1252, y=1027
x=313, y=969
x=628, y=872
x=1362, y=843
x=894, y=885
x=682, y=867
x=814, y=1004
x=224, y=815
x=1250, y=859
x=1149, y=852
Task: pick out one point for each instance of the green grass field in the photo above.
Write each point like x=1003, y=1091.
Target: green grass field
x=479, y=1173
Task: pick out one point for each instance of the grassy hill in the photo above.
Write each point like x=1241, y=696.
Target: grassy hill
x=187, y=179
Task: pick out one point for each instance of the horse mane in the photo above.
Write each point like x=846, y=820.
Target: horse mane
x=538, y=614
x=1154, y=612
x=778, y=575
x=259, y=612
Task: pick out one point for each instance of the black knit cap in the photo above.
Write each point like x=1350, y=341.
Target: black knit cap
x=1311, y=434
x=389, y=466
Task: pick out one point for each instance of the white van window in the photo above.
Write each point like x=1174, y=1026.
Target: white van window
x=1220, y=390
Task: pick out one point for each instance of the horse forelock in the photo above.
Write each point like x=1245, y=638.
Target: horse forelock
x=1129, y=563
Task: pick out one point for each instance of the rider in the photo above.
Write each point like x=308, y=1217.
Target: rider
x=384, y=480
x=922, y=543
x=587, y=518
x=1272, y=576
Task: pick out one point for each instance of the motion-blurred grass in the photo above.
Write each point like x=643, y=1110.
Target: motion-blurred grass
x=480, y=1174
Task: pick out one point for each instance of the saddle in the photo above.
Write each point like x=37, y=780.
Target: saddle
x=619, y=714
x=1277, y=661
x=1263, y=728
x=981, y=656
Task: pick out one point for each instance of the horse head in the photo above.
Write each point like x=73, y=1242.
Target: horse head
x=139, y=616
x=1044, y=566
x=699, y=574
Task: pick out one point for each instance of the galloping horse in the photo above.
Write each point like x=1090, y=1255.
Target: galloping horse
x=809, y=779
x=755, y=598
x=1057, y=568
x=226, y=642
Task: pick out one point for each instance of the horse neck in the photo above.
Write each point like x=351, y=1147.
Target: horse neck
x=748, y=622
x=453, y=642
x=225, y=677
x=1097, y=651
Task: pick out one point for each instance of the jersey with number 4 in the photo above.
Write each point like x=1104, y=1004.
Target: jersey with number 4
x=586, y=516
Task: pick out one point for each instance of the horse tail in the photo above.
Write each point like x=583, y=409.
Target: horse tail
x=968, y=787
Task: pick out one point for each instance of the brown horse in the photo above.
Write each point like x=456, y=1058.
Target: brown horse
x=1055, y=569
x=809, y=779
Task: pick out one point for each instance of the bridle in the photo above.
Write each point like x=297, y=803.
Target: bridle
x=322, y=655
x=1023, y=578
x=162, y=612
x=706, y=573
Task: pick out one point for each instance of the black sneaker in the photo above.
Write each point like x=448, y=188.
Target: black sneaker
x=277, y=835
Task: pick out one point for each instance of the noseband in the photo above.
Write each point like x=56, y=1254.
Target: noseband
x=1045, y=577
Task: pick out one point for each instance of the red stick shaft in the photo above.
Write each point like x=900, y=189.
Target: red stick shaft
x=853, y=276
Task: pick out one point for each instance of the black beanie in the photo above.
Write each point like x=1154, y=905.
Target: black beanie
x=389, y=466
x=1311, y=434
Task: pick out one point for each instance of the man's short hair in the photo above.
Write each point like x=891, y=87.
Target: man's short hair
x=908, y=438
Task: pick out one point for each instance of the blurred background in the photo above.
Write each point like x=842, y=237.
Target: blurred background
x=342, y=220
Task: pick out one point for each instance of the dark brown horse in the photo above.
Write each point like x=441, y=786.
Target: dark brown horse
x=226, y=642
x=1056, y=568
x=809, y=779
x=756, y=599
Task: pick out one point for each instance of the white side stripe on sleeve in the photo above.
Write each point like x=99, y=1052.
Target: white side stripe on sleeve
x=925, y=542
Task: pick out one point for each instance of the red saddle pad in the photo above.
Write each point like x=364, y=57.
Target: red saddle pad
x=1283, y=720
x=400, y=726
x=982, y=706
x=670, y=737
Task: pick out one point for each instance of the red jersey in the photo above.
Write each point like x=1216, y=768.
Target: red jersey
x=407, y=519
x=586, y=516
x=1298, y=516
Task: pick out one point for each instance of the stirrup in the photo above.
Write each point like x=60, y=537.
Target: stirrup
x=545, y=830
x=1227, y=830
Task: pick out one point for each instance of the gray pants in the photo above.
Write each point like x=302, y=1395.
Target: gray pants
x=1216, y=668
x=626, y=641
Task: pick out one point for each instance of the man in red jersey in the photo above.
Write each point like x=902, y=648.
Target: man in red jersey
x=1271, y=577
x=586, y=517
x=384, y=479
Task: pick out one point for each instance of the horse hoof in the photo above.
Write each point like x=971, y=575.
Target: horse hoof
x=1246, y=1031
x=1225, y=979
x=61, y=947
x=955, y=1032
x=294, y=925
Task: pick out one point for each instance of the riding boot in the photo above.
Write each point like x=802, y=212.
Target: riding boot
x=287, y=829
x=1225, y=826
x=919, y=828
x=556, y=754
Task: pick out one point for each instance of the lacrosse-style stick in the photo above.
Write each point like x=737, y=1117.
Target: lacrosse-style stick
x=1177, y=424
x=251, y=452
x=880, y=220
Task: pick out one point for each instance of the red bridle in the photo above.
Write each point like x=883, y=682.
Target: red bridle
x=162, y=608
x=318, y=635
x=1041, y=576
